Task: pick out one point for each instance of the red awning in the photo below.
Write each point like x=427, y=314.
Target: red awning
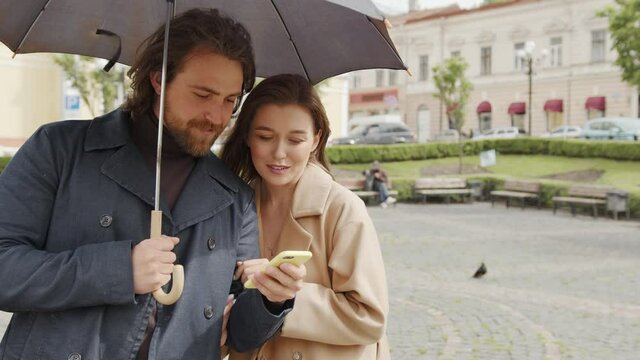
x=596, y=103
x=554, y=105
x=484, y=107
x=517, y=108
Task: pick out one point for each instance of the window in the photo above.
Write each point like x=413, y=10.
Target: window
x=485, y=61
x=517, y=120
x=485, y=122
x=356, y=81
x=555, y=52
x=424, y=68
x=594, y=114
x=598, y=45
x=554, y=119
x=393, y=77
x=379, y=77
x=455, y=53
x=518, y=62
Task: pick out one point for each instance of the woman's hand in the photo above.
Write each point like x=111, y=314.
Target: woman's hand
x=279, y=284
x=246, y=269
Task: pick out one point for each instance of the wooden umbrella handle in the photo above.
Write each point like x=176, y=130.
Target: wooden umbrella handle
x=178, y=271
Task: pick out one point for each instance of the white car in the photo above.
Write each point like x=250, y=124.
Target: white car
x=564, y=132
x=509, y=132
x=447, y=135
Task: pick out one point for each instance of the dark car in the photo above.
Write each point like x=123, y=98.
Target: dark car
x=377, y=133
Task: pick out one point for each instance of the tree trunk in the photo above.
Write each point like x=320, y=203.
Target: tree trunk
x=461, y=152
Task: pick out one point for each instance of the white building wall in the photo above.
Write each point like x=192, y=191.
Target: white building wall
x=500, y=27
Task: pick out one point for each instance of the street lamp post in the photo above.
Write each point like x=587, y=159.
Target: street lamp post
x=530, y=74
x=526, y=55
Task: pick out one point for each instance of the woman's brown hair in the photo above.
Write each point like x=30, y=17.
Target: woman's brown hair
x=286, y=89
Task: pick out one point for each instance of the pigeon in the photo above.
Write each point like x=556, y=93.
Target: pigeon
x=480, y=272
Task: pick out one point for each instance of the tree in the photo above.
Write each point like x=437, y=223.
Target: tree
x=624, y=27
x=453, y=89
x=91, y=81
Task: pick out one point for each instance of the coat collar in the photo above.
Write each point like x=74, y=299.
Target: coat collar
x=311, y=193
x=207, y=191
x=309, y=199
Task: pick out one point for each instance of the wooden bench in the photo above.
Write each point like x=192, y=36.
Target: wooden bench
x=441, y=187
x=358, y=185
x=593, y=196
x=518, y=189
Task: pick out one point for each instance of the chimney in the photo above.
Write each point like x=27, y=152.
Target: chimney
x=414, y=5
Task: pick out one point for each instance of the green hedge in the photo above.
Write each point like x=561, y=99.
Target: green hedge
x=3, y=162
x=549, y=189
x=359, y=154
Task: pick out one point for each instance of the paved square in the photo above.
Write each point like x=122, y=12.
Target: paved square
x=557, y=287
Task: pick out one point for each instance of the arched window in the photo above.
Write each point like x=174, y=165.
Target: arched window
x=484, y=116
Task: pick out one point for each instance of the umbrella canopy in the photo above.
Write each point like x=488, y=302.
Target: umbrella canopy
x=313, y=38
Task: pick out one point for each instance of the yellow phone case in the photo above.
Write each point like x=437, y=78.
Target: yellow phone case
x=295, y=257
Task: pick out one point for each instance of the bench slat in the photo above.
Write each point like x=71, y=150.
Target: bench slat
x=589, y=191
x=443, y=191
x=439, y=183
x=578, y=200
x=513, y=194
x=519, y=185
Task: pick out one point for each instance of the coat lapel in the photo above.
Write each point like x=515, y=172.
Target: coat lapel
x=309, y=199
x=125, y=166
x=206, y=192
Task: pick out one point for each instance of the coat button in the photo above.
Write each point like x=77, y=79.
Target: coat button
x=297, y=355
x=211, y=243
x=105, y=220
x=208, y=312
x=74, y=356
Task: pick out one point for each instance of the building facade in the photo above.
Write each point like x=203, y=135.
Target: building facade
x=34, y=92
x=564, y=43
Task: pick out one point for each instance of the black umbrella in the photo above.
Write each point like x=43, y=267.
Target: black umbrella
x=313, y=38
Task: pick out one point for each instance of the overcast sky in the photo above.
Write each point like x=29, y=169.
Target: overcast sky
x=398, y=6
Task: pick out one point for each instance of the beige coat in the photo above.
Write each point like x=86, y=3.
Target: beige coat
x=342, y=309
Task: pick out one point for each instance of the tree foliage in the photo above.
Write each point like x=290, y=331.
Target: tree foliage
x=624, y=27
x=91, y=81
x=453, y=88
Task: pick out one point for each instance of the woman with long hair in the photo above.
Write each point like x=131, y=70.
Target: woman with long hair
x=278, y=146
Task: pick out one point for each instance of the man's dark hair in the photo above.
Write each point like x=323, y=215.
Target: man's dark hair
x=194, y=29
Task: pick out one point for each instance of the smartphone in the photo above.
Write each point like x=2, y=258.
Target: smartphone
x=295, y=257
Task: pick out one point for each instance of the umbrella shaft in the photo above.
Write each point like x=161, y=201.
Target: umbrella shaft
x=170, y=12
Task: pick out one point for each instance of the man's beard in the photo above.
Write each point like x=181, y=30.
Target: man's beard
x=191, y=145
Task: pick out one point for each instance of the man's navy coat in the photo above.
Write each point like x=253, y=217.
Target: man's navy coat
x=73, y=202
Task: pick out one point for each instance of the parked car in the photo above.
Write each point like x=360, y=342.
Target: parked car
x=447, y=135
x=610, y=128
x=377, y=133
x=564, y=132
x=509, y=132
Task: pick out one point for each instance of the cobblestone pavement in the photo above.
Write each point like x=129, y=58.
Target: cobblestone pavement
x=557, y=287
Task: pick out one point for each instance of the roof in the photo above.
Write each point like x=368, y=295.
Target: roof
x=454, y=10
